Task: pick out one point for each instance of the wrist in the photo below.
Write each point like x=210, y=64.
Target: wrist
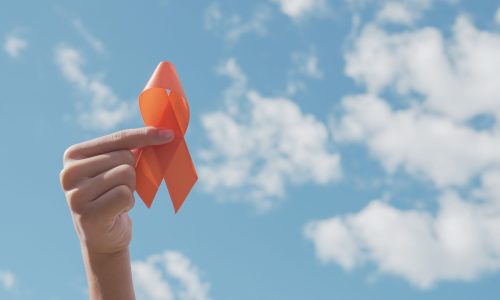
x=101, y=256
x=109, y=275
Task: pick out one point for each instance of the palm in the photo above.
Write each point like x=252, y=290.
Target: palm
x=113, y=237
x=120, y=233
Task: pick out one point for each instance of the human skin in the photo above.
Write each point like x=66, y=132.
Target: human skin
x=98, y=179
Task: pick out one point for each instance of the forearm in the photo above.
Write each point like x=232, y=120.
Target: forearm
x=99, y=181
x=109, y=275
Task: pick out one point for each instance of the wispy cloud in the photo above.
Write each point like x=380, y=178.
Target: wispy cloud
x=168, y=276
x=14, y=44
x=259, y=145
x=105, y=110
x=92, y=40
x=305, y=65
x=95, y=43
x=233, y=27
x=7, y=279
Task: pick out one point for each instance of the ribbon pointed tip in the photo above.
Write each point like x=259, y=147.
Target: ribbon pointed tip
x=162, y=76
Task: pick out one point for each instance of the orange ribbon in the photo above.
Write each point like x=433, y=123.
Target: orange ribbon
x=164, y=105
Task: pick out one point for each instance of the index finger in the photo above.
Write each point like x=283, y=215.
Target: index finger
x=121, y=140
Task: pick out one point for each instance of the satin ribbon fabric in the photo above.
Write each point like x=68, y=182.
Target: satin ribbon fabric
x=163, y=104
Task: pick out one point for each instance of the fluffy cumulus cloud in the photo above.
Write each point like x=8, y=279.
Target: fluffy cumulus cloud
x=168, y=276
x=105, y=110
x=258, y=145
x=7, y=279
x=298, y=9
x=448, y=84
x=234, y=26
x=422, y=144
x=398, y=13
x=455, y=77
x=14, y=44
x=425, y=94
x=459, y=242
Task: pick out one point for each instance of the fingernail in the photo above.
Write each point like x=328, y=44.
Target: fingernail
x=166, y=135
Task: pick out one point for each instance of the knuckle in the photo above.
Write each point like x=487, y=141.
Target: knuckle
x=127, y=175
x=64, y=179
x=122, y=192
x=67, y=175
x=119, y=135
x=132, y=202
x=132, y=134
x=147, y=132
x=127, y=157
x=126, y=170
x=73, y=199
x=70, y=153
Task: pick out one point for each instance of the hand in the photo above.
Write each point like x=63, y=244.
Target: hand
x=99, y=181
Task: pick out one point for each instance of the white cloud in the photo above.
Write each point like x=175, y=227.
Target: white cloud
x=307, y=64
x=259, y=145
x=294, y=86
x=446, y=84
x=455, y=77
x=149, y=282
x=440, y=85
x=105, y=110
x=14, y=44
x=7, y=279
x=398, y=13
x=490, y=187
x=404, y=10
x=422, y=144
x=459, y=242
x=93, y=41
x=298, y=9
x=153, y=278
x=233, y=27
x=238, y=87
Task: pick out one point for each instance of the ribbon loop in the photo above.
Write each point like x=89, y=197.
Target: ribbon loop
x=171, y=162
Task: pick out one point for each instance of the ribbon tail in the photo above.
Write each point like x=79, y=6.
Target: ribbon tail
x=148, y=175
x=180, y=175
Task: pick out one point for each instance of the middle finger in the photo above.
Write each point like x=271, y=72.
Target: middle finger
x=92, y=188
x=86, y=168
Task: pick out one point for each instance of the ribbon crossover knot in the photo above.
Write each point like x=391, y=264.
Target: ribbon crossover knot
x=163, y=104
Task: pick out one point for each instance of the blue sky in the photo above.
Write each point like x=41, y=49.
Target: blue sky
x=346, y=149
